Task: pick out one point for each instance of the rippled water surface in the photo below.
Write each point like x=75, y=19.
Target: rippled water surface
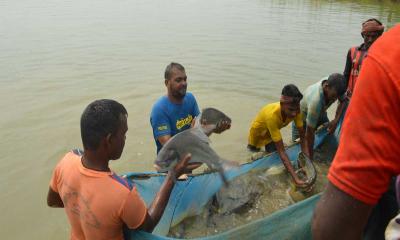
x=57, y=56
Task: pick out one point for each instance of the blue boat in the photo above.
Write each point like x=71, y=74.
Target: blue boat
x=189, y=198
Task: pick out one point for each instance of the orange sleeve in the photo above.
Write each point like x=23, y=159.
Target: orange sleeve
x=134, y=210
x=368, y=153
x=55, y=178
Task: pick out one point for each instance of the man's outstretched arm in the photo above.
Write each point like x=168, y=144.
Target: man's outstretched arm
x=160, y=201
x=286, y=162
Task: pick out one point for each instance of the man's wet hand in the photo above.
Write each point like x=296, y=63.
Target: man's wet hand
x=300, y=183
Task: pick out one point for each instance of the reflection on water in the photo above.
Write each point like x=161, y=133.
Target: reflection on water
x=56, y=56
x=249, y=197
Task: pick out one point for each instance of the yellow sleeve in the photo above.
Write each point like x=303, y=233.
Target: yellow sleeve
x=298, y=120
x=272, y=125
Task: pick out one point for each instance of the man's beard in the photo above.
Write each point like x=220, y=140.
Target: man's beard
x=180, y=93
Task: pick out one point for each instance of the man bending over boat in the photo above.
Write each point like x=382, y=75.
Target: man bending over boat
x=317, y=99
x=265, y=128
x=96, y=200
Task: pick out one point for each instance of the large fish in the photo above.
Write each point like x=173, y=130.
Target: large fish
x=196, y=142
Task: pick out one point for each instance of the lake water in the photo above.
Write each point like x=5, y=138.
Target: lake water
x=57, y=56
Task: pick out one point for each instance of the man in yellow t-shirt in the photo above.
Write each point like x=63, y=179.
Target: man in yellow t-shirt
x=265, y=128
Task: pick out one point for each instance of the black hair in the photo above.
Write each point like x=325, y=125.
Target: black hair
x=100, y=118
x=168, y=69
x=291, y=90
x=336, y=81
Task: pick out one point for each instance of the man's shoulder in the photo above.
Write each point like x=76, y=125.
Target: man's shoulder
x=314, y=91
x=161, y=105
x=353, y=50
x=121, y=183
x=68, y=164
x=190, y=104
x=161, y=101
x=70, y=158
x=271, y=111
x=273, y=107
x=315, y=87
x=189, y=97
x=356, y=48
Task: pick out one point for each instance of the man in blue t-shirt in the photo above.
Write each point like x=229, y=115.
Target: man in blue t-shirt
x=174, y=112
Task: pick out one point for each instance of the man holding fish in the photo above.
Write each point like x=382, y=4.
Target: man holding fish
x=196, y=142
x=97, y=201
x=176, y=111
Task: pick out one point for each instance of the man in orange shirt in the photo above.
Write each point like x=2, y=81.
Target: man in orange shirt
x=368, y=153
x=96, y=200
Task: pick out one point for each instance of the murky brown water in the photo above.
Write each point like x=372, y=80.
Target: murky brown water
x=252, y=196
x=56, y=56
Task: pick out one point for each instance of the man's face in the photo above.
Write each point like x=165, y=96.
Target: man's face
x=118, y=139
x=177, y=84
x=330, y=93
x=370, y=37
x=290, y=109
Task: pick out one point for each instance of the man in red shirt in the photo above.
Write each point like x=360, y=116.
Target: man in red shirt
x=96, y=200
x=371, y=30
x=369, y=154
